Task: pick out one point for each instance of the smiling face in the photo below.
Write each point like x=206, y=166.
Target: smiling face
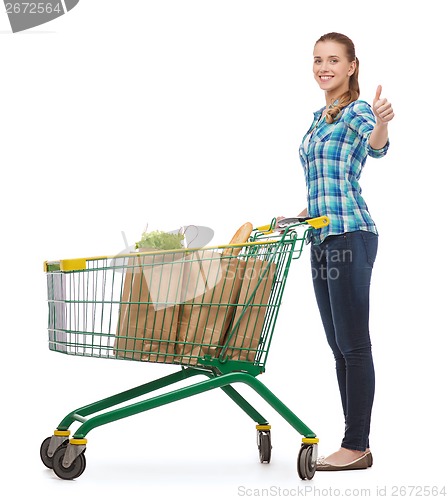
x=332, y=69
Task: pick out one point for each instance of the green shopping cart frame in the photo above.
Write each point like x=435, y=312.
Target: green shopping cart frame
x=210, y=311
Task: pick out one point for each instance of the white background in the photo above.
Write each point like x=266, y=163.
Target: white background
x=133, y=112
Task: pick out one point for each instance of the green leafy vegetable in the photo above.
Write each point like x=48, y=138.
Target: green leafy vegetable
x=160, y=240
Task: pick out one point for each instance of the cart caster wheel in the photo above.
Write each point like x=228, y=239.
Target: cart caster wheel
x=264, y=446
x=74, y=470
x=47, y=461
x=306, y=465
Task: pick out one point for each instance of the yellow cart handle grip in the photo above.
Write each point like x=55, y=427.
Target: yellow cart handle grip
x=267, y=229
x=318, y=222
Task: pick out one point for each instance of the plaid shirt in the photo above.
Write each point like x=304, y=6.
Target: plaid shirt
x=333, y=156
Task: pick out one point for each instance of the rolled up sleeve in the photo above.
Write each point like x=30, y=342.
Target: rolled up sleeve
x=360, y=119
x=377, y=153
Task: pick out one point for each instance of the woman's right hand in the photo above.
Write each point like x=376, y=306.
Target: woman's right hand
x=278, y=219
x=303, y=213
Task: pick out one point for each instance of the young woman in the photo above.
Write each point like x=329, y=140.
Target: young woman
x=333, y=154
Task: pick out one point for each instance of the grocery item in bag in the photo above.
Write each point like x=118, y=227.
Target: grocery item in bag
x=149, y=309
x=258, y=281
x=240, y=237
x=213, y=283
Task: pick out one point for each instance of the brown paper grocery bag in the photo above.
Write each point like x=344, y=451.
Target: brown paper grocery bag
x=244, y=340
x=149, y=310
x=212, y=284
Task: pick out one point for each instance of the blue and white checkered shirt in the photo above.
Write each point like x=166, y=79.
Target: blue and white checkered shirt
x=333, y=156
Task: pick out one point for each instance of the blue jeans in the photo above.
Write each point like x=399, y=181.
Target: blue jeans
x=341, y=268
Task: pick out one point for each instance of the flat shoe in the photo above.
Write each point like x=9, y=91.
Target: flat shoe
x=362, y=462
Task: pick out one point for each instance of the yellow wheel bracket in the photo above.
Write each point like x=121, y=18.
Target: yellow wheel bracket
x=310, y=440
x=78, y=441
x=61, y=433
x=263, y=427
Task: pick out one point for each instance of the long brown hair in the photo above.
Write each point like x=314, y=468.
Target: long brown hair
x=353, y=86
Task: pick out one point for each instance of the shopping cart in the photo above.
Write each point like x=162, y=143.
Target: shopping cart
x=212, y=311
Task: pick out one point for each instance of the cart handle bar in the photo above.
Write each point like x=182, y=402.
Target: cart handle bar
x=316, y=223
x=80, y=264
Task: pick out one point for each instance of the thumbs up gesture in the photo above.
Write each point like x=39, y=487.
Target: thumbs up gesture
x=382, y=108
